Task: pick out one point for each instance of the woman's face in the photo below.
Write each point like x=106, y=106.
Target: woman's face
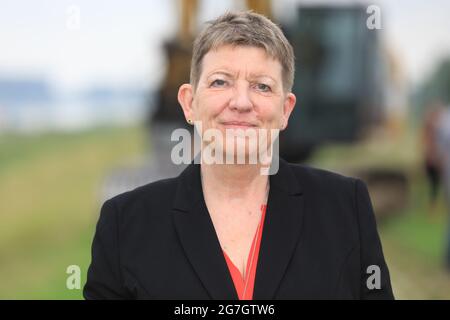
x=240, y=87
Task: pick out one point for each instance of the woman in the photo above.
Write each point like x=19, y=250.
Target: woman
x=227, y=231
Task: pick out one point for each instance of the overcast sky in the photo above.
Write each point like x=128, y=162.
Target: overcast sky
x=119, y=42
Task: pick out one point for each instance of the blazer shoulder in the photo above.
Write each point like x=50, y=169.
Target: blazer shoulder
x=312, y=176
x=153, y=193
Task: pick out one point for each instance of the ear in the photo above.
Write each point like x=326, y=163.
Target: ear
x=288, y=106
x=186, y=98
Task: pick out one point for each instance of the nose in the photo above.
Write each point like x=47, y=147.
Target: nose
x=241, y=99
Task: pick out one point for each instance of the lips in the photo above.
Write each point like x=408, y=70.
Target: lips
x=238, y=124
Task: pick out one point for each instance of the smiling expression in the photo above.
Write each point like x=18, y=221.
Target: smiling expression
x=240, y=87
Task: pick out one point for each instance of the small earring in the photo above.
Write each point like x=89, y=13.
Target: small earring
x=189, y=121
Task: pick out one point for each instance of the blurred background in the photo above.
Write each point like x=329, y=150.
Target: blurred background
x=88, y=103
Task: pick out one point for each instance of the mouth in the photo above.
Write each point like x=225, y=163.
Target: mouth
x=238, y=124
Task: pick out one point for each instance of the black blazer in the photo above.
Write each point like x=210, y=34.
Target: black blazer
x=158, y=242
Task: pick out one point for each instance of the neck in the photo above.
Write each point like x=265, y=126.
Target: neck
x=234, y=181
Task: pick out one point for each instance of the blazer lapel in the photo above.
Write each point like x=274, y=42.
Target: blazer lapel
x=282, y=228
x=198, y=237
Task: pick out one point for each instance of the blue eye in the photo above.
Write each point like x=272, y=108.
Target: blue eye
x=263, y=87
x=218, y=83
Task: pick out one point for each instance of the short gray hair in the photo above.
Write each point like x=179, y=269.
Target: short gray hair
x=244, y=29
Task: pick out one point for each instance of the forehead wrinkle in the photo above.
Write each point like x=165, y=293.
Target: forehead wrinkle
x=222, y=66
x=221, y=71
x=233, y=74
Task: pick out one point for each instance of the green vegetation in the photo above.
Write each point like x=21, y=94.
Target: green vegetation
x=49, y=186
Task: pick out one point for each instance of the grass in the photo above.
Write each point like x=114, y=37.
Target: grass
x=415, y=243
x=49, y=187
